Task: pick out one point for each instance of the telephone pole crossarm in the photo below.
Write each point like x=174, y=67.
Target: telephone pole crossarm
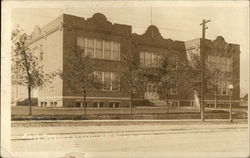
x=205, y=21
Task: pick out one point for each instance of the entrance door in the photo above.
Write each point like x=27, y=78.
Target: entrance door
x=151, y=92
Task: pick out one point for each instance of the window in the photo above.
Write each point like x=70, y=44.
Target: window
x=116, y=105
x=174, y=104
x=107, y=81
x=174, y=60
x=173, y=89
x=41, y=104
x=229, y=63
x=110, y=80
x=99, y=48
x=142, y=58
x=78, y=104
x=115, y=82
x=107, y=50
x=209, y=59
x=95, y=104
x=223, y=88
x=213, y=59
x=55, y=104
x=155, y=61
x=100, y=104
x=98, y=76
x=90, y=47
x=148, y=59
x=116, y=51
x=113, y=104
x=80, y=42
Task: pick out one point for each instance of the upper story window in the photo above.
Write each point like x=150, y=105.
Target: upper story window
x=229, y=64
x=149, y=59
x=80, y=42
x=142, y=58
x=174, y=61
x=101, y=49
x=116, y=51
x=107, y=49
x=90, y=47
x=223, y=63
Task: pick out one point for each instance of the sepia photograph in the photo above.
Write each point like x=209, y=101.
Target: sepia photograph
x=121, y=79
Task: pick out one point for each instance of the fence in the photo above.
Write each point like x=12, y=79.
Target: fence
x=22, y=112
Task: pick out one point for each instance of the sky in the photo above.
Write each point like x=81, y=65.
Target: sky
x=177, y=21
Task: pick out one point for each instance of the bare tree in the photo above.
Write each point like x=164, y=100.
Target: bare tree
x=80, y=76
x=26, y=68
x=214, y=74
x=131, y=75
x=191, y=74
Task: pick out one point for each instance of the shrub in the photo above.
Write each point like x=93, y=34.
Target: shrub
x=25, y=102
x=143, y=102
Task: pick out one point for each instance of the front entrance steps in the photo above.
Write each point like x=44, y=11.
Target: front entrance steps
x=158, y=102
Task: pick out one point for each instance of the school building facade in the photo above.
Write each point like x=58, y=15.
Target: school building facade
x=106, y=42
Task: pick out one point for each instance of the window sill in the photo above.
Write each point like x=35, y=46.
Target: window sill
x=117, y=60
x=109, y=90
x=223, y=94
x=173, y=94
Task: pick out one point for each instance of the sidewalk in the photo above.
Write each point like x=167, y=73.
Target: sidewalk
x=106, y=129
x=125, y=122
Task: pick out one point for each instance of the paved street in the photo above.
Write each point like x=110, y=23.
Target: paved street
x=211, y=139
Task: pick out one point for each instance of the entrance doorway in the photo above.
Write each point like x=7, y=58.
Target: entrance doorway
x=151, y=91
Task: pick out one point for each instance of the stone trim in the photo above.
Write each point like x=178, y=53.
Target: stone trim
x=81, y=97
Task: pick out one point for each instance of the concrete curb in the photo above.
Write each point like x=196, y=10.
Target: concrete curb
x=133, y=121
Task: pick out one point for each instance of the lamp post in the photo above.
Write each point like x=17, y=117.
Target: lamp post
x=230, y=87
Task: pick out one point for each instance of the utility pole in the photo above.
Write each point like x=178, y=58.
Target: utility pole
x=202, y=55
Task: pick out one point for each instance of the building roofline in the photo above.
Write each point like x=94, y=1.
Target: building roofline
x=59, y=22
